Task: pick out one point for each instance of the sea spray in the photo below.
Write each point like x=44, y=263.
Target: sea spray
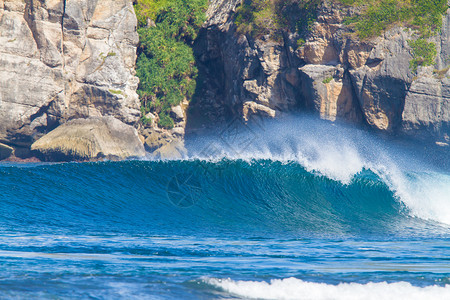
x=338, y=152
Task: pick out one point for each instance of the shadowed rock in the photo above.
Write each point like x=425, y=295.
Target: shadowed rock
x=5, y=151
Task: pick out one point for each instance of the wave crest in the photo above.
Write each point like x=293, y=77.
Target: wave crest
x=340, y=153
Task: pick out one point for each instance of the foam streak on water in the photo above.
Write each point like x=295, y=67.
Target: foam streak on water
x=292, y=288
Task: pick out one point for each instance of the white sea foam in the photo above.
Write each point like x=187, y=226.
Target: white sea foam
x=339, y=153
x=320, y=148
x=426, y=194
x=293, y=288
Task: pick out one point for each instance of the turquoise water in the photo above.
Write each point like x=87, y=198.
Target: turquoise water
x=115, y=230
x=327, y=215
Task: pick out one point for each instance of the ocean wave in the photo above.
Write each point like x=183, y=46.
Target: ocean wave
x=193, y=195
x=293, y=288
x=340, y=153
x=293, y=173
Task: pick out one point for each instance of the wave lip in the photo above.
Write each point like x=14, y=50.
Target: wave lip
x=293, y=288
x=341, y=153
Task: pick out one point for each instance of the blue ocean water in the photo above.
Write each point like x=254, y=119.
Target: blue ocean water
x=297, y=226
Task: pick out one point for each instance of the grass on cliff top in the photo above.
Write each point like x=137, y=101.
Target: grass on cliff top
x=261, y=17
x=166, y=64
x=424, y=16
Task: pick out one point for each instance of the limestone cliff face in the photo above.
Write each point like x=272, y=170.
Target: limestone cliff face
x=62, y=60
x=333, y=74
x=74, y=59
x=241, y=75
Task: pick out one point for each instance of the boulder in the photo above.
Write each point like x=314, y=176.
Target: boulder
x=252, y=108
x=177, y=112
x=165, y=144
x=172, y=150
x=5, y=151
x=90, y=139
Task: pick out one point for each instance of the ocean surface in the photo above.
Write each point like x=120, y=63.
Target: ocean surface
x=296, y=210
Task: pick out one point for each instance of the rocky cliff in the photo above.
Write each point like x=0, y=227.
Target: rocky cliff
x=332, y=74
x=63, y=60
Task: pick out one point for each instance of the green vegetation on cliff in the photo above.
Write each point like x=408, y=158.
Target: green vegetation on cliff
x=166, y=63
x=424, y=53
x=423, y=16
x=261, y=17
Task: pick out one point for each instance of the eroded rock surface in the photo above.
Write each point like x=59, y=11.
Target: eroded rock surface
x=61, y=60
x=240, y=75
x=427, y=107
x=328, y=91
x=90, y=139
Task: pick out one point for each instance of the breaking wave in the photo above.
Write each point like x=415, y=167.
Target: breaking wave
x=292, y=288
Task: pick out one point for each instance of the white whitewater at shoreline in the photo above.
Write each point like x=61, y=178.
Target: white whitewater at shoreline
x=293, y=288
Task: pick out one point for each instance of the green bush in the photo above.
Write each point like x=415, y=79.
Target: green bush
x=300, y=42
x=256, y=17
x=261, y=17
x=424, y=53
x=166, y=63
x=377, y=18
x=327, y=80
x=165, y=120
x=148, y=9
x=440, y=74
x=427, y=16
x=144, y=119
x=115, y=92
